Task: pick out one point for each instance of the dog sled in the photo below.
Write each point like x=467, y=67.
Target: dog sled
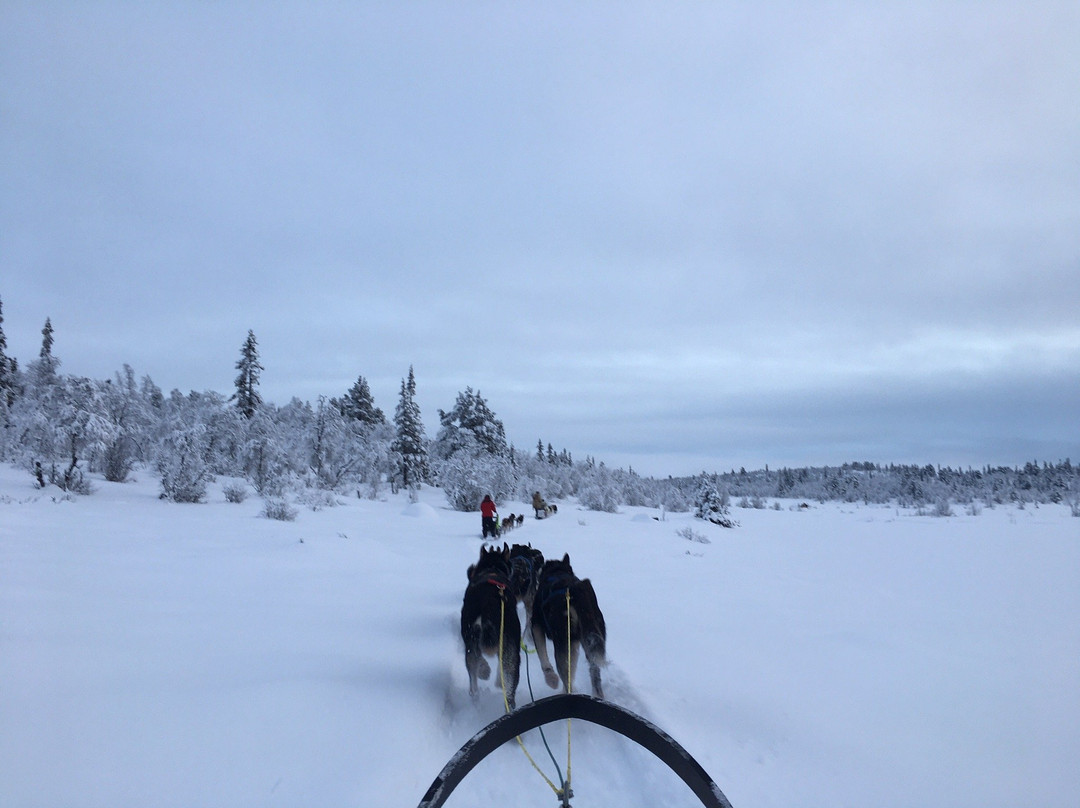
x=587, y=708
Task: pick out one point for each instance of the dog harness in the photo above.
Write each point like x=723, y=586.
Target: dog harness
x=560, y=583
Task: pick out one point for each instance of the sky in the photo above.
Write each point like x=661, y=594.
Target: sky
x=675, y=237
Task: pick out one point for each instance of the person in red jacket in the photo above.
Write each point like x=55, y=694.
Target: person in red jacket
x=489, y=517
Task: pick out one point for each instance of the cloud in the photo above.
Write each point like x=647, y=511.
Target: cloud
x=650, y=232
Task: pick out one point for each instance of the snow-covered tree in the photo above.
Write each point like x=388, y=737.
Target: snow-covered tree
x=64, y=425
x=184, y=473
x=472, y=424
x=712, y=504
x=126, y=408
x=470, y=473
x=247, y=381
x=409, y=443
x=359, y=405
x=8, y=386
x=264, y=458
x=601, y=491
x=7, y=373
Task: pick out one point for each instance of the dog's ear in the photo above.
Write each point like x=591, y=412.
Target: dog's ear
x=566, y=559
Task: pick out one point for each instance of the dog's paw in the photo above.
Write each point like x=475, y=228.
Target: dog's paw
x=551, y=678
x=483, y=670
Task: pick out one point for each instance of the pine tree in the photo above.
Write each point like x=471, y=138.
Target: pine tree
x=712, y=504
x=470, y=423
x=7, y=371
x=247, y=395
x=44, y=370
x=359, y=405
x=409, y=441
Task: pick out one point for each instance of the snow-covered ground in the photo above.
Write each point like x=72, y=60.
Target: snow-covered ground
x=154, y=654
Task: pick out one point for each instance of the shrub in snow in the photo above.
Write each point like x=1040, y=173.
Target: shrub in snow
x=279, y=509
x=235, y=492
x=317, y=498
x=943, y=508
x=184, y=474
x=690, y=534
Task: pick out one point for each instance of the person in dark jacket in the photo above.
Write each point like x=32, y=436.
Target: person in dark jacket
x=489, y=517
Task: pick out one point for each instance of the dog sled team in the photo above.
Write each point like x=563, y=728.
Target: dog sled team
x=491, y=525
x=558, y=606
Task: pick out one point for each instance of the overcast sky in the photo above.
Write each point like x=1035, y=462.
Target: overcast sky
x=677, y=236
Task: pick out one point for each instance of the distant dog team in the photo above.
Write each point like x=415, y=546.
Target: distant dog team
x=558, y=606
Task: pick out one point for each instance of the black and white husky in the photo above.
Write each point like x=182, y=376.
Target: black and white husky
x=488, y=613
x=585, y=629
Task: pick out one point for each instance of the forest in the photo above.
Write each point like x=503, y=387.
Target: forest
x=64, y=428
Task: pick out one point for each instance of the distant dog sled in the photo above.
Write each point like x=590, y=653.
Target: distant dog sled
x=542, y=508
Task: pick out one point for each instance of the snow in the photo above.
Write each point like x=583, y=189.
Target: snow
x=156, y=654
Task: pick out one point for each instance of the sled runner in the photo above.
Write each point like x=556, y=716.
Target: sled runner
x=587, y=708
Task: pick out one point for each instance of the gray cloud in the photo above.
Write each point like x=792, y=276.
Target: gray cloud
x=768, y=232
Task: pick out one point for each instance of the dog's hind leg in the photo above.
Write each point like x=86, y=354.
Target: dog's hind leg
x=510, y=672
x=540, y=641
x=565, y=660
x=594, y=672
x=475, y=664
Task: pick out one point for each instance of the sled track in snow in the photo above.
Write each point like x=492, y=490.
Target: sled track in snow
x=586, y=708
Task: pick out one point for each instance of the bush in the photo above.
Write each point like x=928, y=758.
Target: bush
x=235, y=492
x=279, y=509
x=690, y=534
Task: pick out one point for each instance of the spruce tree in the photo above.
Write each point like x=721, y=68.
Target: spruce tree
x=247, y=395
x=359, y=405
x=44, y=370
x=470, y=423
x=7, y=369
x=409, y=440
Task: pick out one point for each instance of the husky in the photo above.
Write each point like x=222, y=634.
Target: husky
x=525, y=565
x=586, y=625
x=488, y=611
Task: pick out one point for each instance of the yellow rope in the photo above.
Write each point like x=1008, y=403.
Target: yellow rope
x=506, y=700
x=569, y=684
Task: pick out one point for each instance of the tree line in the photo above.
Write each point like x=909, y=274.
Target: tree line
x=61, y=428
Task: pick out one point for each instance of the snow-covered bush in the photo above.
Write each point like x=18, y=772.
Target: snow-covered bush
x=279, y=508
x=235, y=492
x=690, y=534
x=943, y=507
x=184, y=473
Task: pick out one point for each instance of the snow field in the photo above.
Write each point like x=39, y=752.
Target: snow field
x=201, y=655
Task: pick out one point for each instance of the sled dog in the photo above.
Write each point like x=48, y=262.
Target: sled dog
x=525, y=565
x=489, y=609
x=586, y=625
